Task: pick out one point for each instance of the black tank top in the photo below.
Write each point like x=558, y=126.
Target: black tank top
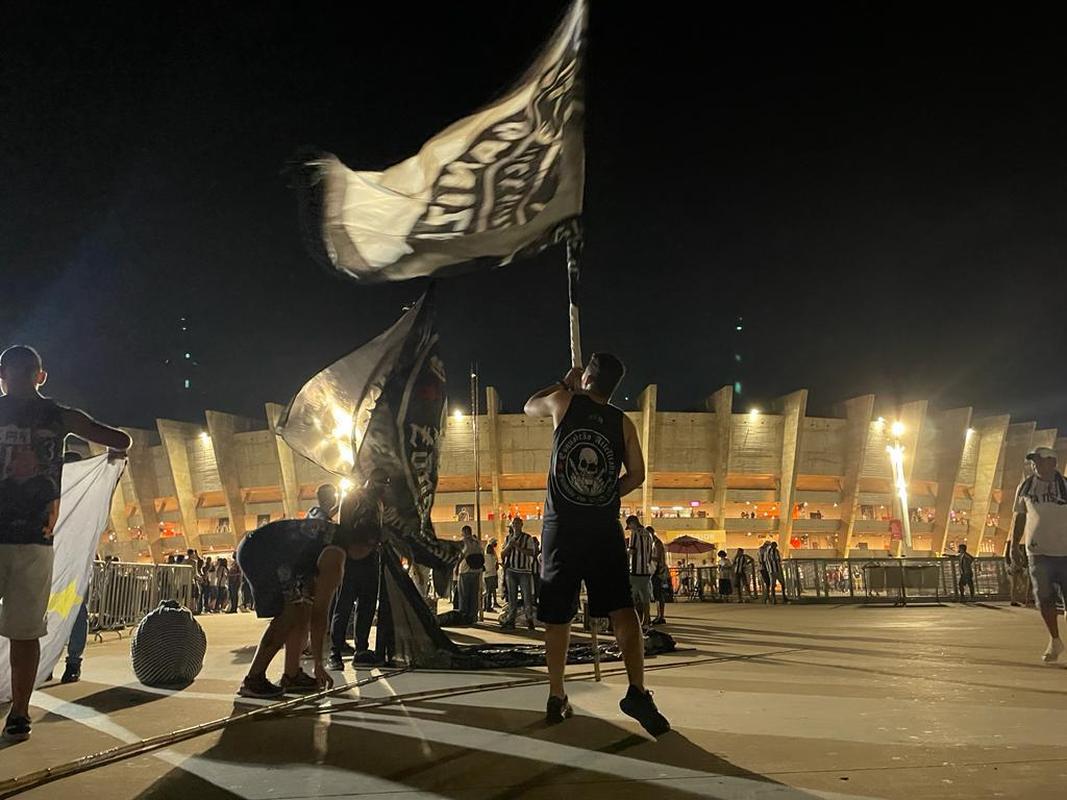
x=587, y=457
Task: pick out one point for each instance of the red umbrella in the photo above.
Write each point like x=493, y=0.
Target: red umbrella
x=687, y=545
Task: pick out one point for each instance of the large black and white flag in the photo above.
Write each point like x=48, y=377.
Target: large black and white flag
x=502, y=183
x=382, y=405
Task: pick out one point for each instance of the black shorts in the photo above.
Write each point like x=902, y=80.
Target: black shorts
x=571, y=555
x=272, y=585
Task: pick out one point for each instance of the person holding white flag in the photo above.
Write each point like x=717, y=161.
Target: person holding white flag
x=32, y=431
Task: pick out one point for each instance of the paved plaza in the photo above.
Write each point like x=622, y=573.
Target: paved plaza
x=767, y=702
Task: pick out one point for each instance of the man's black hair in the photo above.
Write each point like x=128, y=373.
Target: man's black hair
x=605, y=373
x=632, y=518
x=21, y=356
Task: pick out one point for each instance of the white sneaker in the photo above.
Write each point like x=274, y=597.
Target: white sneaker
x=1052, y=652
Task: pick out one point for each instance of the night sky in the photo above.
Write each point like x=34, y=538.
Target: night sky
x=880, y=194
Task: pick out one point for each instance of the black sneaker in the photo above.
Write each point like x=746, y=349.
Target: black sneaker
x=17, y=729
x=334, y=662
x=641, y=707
x=347, y=650
x=72, y=674
x=659, y=621
x=558, y=709
x=260, y=687
x=301, y=683
x=365, y=658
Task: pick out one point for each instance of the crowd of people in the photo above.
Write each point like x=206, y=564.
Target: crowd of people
x=309, y=577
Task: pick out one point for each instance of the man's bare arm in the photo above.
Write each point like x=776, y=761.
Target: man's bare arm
x=633, y=459
x=553, y=401
x=82, y=425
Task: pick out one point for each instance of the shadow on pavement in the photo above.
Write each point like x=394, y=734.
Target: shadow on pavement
x=457, y=752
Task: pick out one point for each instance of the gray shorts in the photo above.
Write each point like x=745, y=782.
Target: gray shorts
x=25, y=586
x=641, y=588
x=1049, y=576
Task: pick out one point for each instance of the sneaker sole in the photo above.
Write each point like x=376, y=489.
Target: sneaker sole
x=15, y=738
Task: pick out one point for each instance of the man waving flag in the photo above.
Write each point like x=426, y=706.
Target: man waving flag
x=499, y=184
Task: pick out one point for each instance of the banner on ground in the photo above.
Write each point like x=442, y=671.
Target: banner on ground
x=84, y=506
x=502, y=183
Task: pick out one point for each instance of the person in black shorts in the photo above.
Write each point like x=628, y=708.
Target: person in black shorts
x=294, y=567
x=581, y=538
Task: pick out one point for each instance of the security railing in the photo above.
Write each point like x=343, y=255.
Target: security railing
x=897, y=580
x=120, y=593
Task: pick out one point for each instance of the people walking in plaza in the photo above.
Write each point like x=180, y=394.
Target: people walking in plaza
x=294, y=567
x=31, y=473
x=492, y=567
x=362, y=509
x=233, y=586
x=1021, y=592
x=222, y=585
x=596, y=459
x=207, y=586
x=725, y=572
x=642, y=551
x=764, y=573
x=520, y=557
x=775, y=573
x=1040, y=523
x=744, y=566
x=966, y=564
x=471, y=567
x=661, y=578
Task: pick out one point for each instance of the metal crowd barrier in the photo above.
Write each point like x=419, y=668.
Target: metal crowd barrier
x=897, y=580
x=120, y=593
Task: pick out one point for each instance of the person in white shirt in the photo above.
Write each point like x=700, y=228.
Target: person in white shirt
x=520, y=557
x=641, y=549
x=1041, y=525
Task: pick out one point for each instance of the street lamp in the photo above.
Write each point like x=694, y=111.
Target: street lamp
x=896, y=461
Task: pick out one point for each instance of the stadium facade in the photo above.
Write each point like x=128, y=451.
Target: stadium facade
x=821, y=486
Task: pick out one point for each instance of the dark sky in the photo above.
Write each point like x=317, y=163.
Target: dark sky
x=881, y=195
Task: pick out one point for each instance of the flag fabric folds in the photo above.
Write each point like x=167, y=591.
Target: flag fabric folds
x=500, y=184
x=383, y=405
x=84, y=506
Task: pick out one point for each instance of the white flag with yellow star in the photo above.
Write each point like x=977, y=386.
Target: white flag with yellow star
x=84, y=506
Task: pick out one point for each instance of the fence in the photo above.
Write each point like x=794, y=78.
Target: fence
x=853, y=580
x=120, y=594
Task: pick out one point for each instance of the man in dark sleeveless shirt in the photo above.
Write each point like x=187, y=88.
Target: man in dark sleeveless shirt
x=294, y=568
x=581, y=538
x=32, y=431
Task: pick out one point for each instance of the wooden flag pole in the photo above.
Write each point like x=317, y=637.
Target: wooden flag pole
x=574, y=264
x=574, y=260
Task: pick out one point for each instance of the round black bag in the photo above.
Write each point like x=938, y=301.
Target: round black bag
x=168, y=646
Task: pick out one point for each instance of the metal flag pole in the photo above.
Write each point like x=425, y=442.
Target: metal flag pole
x=574, y=262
